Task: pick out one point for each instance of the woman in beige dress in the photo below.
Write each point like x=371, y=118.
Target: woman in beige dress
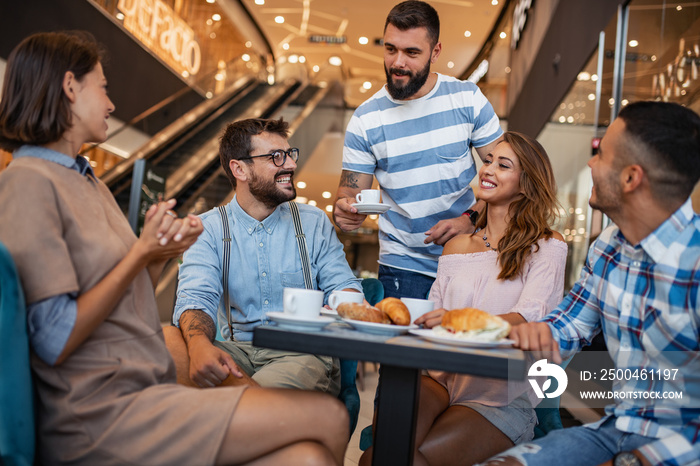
x=105, y=381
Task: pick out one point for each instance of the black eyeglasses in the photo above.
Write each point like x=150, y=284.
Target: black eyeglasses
x=279, y=156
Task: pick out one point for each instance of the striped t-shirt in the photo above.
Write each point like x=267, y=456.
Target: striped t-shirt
x=420, y=152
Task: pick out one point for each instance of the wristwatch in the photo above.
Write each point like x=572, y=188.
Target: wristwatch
x=626, y=458
x=472, y=214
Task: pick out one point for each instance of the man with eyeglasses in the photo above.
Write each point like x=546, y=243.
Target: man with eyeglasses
x=264, y=259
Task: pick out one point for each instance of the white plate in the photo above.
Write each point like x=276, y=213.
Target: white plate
x=379, y=329
x=367, y=208
x=293, y=322
x=428, y=334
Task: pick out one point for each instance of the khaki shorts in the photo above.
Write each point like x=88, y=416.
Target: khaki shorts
x=285, y=369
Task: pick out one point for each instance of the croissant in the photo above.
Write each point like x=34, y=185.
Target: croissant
x=362, y=312
x=475, y=321
x=396, y=310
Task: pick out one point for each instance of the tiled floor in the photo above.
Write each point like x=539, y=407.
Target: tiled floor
x=353, y=453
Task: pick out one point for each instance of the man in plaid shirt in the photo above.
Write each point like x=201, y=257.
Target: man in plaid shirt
x=640, y=286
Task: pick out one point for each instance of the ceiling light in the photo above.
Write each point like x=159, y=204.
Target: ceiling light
x=653, y=58
x=679, y=8
x=633, y=43
x=367, y=85
x=467, y=33
x=562, y=119
x=494, y=2
x=302, y=59
x=507, y=70
x=611, y=101
x=329, y=208
x=326, y=194
x=259, y=2
x=120, y=16
x=312, y=202
x=279, y=19
x=185, y=74
x=374, y=216
x=450, y=64
x=584, y=76
x=248, y=44
x=301, y=200
x=209, y=22
x=316, y=68
x=301, y=184
x=219, y=76
x=591, y=96
x=216, y=17
x=335, y=61
x=594, y=77
x=285, y=46
x=211, y=1
x=624, y=102
x=271, y=79
x=245, y=57
x=363, y=40
x=293, y=58
x=209, y=95
x=570, y=119
x=502, y=35
x=212, y=35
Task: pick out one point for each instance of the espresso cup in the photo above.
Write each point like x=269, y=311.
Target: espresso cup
x=303, y=303
x=339, y=297
x=368, y=196
x=417, y=307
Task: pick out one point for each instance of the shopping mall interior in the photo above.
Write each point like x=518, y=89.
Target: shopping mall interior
x=180, y=70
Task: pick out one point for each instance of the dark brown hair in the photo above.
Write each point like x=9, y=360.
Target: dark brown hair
x=34, y=109
x=415, y=14
x=532, y=212
x=236, y=142
x=664, y=138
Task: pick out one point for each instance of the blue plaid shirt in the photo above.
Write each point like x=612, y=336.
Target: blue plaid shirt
x=646, y=301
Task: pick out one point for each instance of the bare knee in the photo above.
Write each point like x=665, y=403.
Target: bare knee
x=309, y=454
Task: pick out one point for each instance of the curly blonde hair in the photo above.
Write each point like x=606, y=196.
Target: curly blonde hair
x=532, y=212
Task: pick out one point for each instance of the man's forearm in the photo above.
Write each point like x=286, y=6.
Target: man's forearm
x=195, y=323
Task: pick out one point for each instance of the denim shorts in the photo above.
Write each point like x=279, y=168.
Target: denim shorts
x=399, y=283
x=517, y=420
x=576, y=446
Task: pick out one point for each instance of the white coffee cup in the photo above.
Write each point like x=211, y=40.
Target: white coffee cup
x=417, y=307
x=339, y=297
x=368, y=196
x=301, y=302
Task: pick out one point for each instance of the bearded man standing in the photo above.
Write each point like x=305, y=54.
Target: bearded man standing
x=415, y=136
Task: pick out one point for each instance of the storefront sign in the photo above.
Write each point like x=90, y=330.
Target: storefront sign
x=328, y=39
x=519, y=20
x=166, y=34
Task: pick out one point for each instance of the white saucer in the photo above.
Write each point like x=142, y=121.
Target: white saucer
x=429, y=335
x=379, y=329
x=329, y=312
x=293, y=322
x=367, y=208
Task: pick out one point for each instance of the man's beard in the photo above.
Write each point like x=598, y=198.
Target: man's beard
x=415, y=82
x=268, y=192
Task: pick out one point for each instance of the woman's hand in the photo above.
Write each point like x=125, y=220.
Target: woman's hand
x=165, y=236
x=431, y=319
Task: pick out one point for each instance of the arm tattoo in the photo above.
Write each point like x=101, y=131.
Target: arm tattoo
x=349, y=179
x=195, y=322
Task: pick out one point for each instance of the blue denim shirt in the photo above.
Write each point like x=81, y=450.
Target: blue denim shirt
x=51, y=321
x=264, y=261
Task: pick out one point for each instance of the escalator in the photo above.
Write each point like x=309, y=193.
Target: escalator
x=186, y=152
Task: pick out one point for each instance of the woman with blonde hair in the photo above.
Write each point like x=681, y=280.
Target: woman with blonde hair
x=511, y=266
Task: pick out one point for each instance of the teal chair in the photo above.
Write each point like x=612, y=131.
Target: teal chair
x=16, y=389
